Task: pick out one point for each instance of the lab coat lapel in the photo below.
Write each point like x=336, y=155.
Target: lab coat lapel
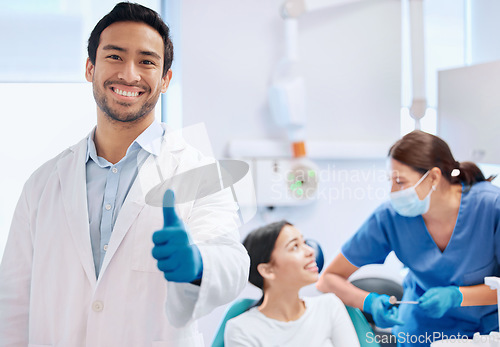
x=147, y=178
x=72, y=175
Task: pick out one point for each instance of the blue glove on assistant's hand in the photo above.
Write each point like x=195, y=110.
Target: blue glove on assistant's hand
x=177, y=257
x=436, y=301
x=384, y=314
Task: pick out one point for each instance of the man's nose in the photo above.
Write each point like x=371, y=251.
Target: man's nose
x=129, y=73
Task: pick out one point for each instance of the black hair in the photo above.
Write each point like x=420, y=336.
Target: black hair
x=130, y=12
x=260, y=244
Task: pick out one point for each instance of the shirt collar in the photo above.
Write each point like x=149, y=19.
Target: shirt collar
x=149, y=140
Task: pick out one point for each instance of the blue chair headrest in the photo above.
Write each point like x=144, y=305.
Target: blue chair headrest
x=320, y=259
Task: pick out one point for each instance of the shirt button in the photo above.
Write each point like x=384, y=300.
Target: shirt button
x=105, y=247
x=108, y=207
x=97, y=306
x=114, y=170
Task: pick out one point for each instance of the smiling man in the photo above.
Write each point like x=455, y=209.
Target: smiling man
x=130, y=67
x=88, y=262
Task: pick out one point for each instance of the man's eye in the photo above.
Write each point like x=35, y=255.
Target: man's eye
x=113, y=56
x=148, y=62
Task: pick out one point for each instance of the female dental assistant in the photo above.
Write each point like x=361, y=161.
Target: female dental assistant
x=443, y=223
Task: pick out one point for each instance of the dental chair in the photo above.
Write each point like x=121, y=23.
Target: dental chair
x=240, y=306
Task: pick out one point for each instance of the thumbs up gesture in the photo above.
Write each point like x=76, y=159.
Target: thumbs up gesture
x=179, y=260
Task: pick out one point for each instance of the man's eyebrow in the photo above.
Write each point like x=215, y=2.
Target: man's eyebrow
x=151, y=54
x=121, y=49
x=114, y=48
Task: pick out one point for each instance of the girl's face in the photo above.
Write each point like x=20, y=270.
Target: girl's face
x=293, y=262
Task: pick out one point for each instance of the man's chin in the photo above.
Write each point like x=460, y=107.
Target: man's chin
x=122, y=116
x=124, y=112
x=125, y=118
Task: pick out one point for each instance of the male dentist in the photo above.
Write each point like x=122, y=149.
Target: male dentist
x=89, y=262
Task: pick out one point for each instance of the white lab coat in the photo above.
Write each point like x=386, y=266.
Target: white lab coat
x=49, y=295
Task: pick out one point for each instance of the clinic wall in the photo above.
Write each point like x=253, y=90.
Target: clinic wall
x=484, y=29
x=33, y=32
x=352, y=74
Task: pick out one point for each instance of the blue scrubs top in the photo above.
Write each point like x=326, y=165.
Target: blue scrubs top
x=472, y=253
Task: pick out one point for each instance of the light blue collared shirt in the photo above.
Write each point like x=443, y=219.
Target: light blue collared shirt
x=108, y=186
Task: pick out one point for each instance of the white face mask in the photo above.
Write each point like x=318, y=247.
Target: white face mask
x=407, y=203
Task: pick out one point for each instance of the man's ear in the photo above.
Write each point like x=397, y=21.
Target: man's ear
x=89, y=70
x=165, y=80
x=266, y=271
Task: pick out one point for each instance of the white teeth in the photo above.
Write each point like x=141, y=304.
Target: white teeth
x=311, y=266
x=124, y=93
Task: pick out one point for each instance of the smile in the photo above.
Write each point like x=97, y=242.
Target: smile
x=312, y=266
x=125, y=93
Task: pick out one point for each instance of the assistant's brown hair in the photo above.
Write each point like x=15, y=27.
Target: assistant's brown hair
x=423, y=151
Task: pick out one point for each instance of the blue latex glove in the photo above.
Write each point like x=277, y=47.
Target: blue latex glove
x=177, y=257
x=384, y=314
x=436, y=301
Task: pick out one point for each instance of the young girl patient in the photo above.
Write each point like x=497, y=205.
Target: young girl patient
x=281, y=263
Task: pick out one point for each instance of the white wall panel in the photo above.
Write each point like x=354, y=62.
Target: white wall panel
x=350, y=60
